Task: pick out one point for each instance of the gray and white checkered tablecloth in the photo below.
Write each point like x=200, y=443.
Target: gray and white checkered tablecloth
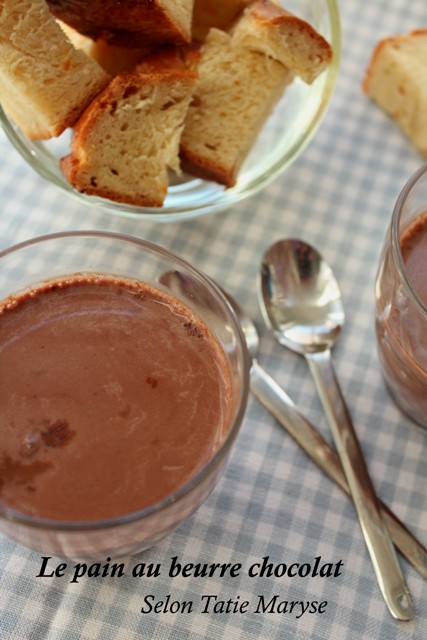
x=272, y=500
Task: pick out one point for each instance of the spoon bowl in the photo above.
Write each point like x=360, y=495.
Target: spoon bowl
x=301, y=302
x=301, y=297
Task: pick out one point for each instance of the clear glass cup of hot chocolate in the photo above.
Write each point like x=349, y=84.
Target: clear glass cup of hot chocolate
x=401, y=300
x=123, y=385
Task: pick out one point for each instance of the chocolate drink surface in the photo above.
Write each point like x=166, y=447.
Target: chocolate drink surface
x=112, y=396
x=414, y=253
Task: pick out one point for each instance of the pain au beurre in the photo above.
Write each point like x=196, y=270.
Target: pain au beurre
x=112, y=396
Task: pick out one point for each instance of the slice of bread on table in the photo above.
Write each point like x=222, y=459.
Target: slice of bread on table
x=45, y=83
x=396, y=80
x=270, y=29
x=129, y=23
x=128, y=138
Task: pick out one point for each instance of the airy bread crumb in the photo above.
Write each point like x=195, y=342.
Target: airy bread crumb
x=45, y=83
x=236, y=91
x=128, y=137
x=112, y=58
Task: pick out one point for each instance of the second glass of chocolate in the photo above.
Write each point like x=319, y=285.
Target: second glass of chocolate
x=401, y=300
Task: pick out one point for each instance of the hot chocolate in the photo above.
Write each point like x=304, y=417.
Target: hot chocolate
x=401, y=322
x=112, y=396
x=414, y=253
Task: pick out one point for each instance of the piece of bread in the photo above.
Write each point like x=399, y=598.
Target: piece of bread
x=128, y=137
x=236, y=90
x=414, y=43
x=214, y=13
x=396, y=79
x=45, y=83
x=270, y=29
x=211, y=13
x=112, y=58
x=128, y=23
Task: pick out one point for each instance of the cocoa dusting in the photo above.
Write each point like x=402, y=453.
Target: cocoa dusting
x=57, y=434
x=152, y=382
x=14, y=471
x=192, y=329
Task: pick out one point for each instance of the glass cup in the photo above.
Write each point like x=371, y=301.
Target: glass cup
x=401, y=309
x=59, y=255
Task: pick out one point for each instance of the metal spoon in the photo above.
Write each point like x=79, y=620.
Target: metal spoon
x=276, y=400
x=301, y=302
x=281, y=406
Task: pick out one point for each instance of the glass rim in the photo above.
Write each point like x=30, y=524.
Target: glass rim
x=395, y=241
x=81, y=526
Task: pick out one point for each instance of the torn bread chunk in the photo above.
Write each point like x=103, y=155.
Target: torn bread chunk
x=128, y=23
x=235, y=92
x=112, y=58
x=396, y=80
x=268, y=28
x=45, y=83
x=128, y=138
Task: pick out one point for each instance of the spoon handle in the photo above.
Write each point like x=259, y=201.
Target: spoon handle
x=282, y=407
x=376, y=534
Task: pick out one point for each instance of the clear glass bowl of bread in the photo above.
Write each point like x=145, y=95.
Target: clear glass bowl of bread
x=196, y=119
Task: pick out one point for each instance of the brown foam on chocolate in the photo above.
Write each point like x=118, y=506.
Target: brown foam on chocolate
x=112, y=396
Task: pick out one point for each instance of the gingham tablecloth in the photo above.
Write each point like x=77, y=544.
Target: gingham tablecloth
x=272, y=502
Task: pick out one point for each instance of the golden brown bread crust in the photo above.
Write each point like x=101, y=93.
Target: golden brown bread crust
x=45, y=83
x=118, y=150
x=267, y=12
x=267, y=27
x=205, y=168
x=128, y=23
x=393, y=41
x=376, y=53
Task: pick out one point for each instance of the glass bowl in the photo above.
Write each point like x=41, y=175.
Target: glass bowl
x=283, y=137
x=59, y=255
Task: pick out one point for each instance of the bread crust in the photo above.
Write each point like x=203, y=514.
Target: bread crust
x=45, y=84
x=132, y=169
x=128, y=23
x=268, y=28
